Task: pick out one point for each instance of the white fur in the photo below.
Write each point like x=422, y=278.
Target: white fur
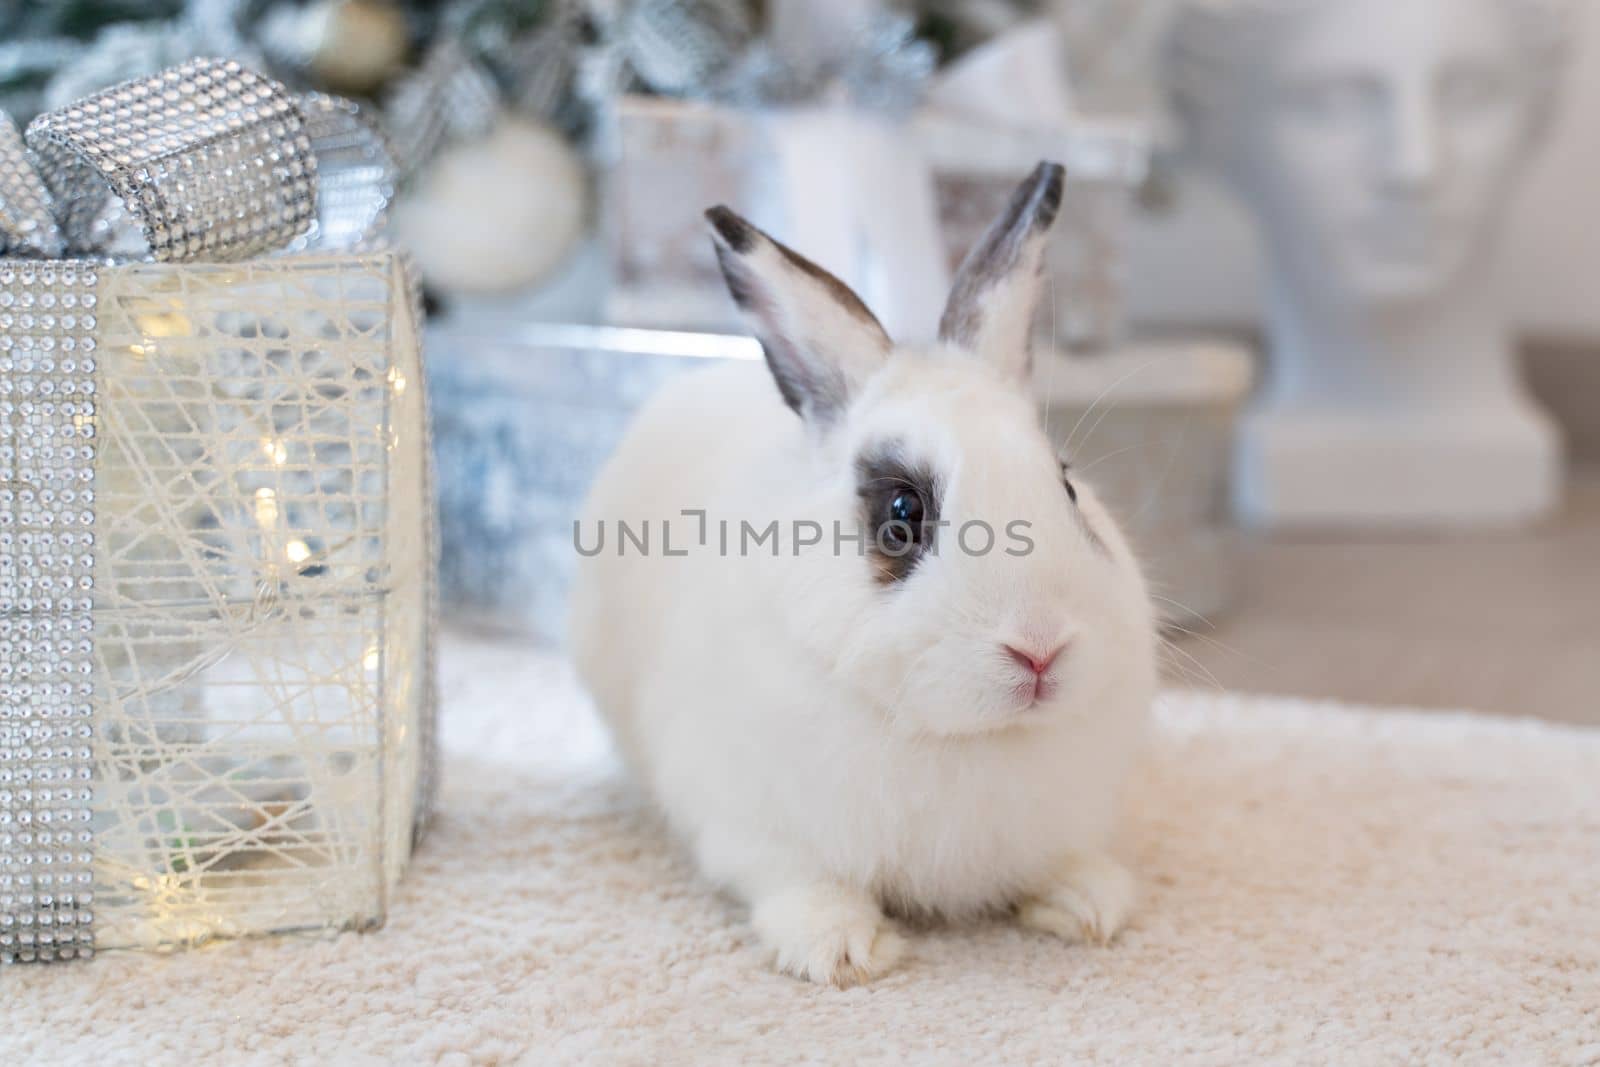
x=830, y=746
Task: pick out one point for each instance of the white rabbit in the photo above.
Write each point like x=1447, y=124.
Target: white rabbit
x=908, y=726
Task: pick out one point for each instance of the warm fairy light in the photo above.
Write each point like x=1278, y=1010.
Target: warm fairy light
x=297, y=551
x=275, y=450
x=164, y=324
x=266, y=506
x=370, y=661
x=397, y=380
x=155, y=325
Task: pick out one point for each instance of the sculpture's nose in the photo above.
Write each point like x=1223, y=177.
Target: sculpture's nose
x=1412, y=155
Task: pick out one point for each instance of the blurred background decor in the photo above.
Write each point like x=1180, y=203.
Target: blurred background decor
x=554, y=161
x=216, y=568
x=1377, y=147
x=553, y=158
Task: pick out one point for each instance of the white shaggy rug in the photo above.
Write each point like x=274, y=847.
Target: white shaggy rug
x=1324, y=885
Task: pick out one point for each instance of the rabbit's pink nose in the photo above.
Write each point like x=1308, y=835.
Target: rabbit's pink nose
x=1035, y=661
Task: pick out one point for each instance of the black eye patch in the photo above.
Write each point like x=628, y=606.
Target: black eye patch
x=900, y=502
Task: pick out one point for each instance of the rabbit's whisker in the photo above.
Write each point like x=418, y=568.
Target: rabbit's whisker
x=1168, y=646
x=1068, y=445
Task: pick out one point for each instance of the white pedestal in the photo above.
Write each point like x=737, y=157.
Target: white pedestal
x=1344, y=469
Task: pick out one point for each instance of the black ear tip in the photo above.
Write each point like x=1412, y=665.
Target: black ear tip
x=735, y=232
x=1049, y=179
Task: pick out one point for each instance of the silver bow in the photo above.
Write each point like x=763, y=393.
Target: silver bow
x=205, y=161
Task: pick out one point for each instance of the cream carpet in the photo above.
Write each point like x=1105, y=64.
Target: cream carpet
x=1324, y=886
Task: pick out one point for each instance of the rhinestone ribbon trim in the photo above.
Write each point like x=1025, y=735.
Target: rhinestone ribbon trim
x=27, y=220
x=209, y=160
x=355, y=174
x=47, y=423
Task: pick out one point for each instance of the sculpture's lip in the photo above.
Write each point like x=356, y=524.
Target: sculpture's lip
x=1408, y=236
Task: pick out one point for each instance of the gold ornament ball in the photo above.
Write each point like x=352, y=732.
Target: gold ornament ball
x=359, y=44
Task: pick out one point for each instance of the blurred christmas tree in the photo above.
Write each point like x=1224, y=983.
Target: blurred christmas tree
x=40, y=38
x=55, y=49
x=482, y=99
x=80, y=19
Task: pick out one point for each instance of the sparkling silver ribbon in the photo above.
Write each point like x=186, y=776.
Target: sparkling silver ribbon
x=210, y=160
x=47, y=408
x=27, y=213
x=205, y=161
x=356, y=170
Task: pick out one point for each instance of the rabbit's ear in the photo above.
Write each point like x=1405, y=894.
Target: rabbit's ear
x=991, y=306
x=821, y=341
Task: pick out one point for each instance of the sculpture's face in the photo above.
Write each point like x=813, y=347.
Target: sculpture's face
x=1382, y=141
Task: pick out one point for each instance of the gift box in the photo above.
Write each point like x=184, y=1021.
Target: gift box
x=216, y=551
x=523, y=421
x=891, y=196
x=842, y=186
x=801, y=128
x=672, y=159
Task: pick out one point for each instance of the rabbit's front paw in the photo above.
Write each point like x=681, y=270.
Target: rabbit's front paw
x=828, y=934
x=1089, y=900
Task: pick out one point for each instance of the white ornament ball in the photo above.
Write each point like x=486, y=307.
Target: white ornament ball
x=498, y=213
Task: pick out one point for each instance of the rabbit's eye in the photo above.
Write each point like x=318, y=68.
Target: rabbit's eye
x=1083, y=520
x=907, y=508
x=899, y=510
x=901, y=526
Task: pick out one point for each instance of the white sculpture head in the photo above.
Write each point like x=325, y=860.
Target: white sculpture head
x=1376, y=140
